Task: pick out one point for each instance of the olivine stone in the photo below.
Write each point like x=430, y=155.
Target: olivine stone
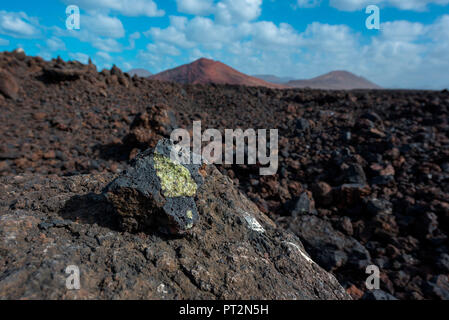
x=175, y=179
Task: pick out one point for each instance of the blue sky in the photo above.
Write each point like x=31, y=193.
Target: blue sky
x=295, y=38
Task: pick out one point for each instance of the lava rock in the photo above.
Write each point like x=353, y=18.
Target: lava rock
x=330, y=248
x=304, y=204
x=379, y=206
x=234, y=253
x=147, y=128
x=349, y=194
x=438, y=286
x=156, y=192
x=378, y=295
x=354, y=174
x=443, y=262
x=8, y=85
x=426, y=225
x=302, y=125
x=322, y=192
x=61, y=74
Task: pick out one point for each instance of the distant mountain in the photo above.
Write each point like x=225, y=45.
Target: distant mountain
x=335, y=80
x=273, y=79
x=204, y=71
x=139, y=72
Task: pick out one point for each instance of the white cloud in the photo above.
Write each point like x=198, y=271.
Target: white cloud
x=235, y=11
x=51, y=46
x=126, y=66
x=204, y=31
x=131, y=8
x=108, y=44
x=18, y=25
x=195, y=7
x=79, y=56
x=268, y=35
x=224, y=11
x=402, y=30
x=174, y=34
x=55, y=44
x=439, y=31
x=330, y=37
x=104, y=56
x=352, y=5
x=415, y=5
x=162, y=48
x=132, y=40
x=154, y=62
x=84, y=35
x=196, y=54
x=102, y=25
x=101, y=31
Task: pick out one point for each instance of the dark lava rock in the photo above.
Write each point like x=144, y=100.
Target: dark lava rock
x=438, y=287
x=322, y=192
x=379, y=206
x=349, y=194
x=157, y=192
x=372, y=116
x=304, y=204
x=61, y=74
x=346, y=225
x=443, y=262
x=234, y=252
x=426, y=225
x=354, y=174
x=302, y=125
x=330, y=248
x=378, y=295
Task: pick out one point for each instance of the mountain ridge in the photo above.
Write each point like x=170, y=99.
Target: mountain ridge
x=335, y=80
x=204, y=71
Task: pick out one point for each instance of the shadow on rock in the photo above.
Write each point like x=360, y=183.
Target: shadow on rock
x=113, y=151
x=94, y=209
x=90, y=209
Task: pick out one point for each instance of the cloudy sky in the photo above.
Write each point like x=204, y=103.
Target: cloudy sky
x=295, y=38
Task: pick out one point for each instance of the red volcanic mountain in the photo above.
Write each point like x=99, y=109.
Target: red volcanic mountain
x=335, y=80
x=204, y=71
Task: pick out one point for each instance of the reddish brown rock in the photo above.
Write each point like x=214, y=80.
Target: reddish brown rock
x=8, y=85
x=322, y=192
x=148, y=127
x=349, y=194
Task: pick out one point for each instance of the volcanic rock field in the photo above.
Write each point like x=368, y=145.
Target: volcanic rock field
x=363, y=180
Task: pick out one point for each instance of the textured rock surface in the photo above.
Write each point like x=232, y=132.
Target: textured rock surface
x=331, y=248
x=8, y=85
x=149, y=126
x=234, y=252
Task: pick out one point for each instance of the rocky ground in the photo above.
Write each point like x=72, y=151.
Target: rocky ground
x=233, y=252
x=363, y=176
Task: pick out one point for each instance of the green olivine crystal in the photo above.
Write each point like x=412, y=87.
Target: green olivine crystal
x=175, y=179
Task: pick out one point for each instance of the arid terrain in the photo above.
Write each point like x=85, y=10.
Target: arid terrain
x=363, y=180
